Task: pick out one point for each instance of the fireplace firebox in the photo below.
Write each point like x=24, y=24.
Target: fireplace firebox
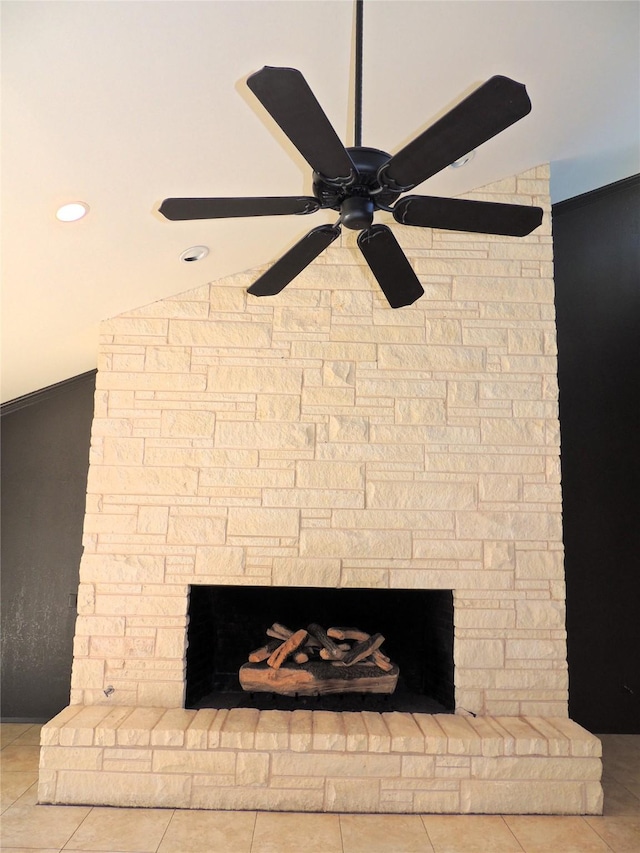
x=227, y=622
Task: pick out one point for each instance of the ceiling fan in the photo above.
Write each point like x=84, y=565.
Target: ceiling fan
x=357, y=181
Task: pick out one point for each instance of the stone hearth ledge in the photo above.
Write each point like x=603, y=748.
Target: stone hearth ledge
x=319, y=761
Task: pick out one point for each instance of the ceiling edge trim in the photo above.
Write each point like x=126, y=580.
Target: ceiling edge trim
x=594, y=195
x=42, y=394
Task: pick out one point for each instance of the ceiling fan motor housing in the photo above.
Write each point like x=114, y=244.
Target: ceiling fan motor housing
x=361, y=195
x=356, y=212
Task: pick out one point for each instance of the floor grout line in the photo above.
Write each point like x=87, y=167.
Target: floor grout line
x=515, y=837
x=64, y=846
x=166, y=829
x=253, y=831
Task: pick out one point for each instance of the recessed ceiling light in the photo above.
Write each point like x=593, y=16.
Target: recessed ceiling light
x=72, y=212
x=462, y=161
x=195, y=253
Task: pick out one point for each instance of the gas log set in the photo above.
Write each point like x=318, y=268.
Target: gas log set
x=315, y=662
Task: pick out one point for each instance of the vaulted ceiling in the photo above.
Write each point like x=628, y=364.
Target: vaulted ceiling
x=120, y=104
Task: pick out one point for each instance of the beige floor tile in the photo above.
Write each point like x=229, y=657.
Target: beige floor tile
x=620, y=743
x=622, y=834
x=555, y=834
x=470, y=834
x=30, y=796
x=384, y=834
x=619, y=801
x=16, y=757
x=40, y=826
x=209, y=832
x=287, y=832
x=13, y=785
x=10, y=731
x=31, y=736
x=634, y=787
x=130, y=830
x=622, y=773
x=624, y=768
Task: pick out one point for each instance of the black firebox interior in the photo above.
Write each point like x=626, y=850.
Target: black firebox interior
x=227, y=622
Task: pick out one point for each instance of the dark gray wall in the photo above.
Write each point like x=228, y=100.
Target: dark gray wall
x=597, y=273
x=45, y=457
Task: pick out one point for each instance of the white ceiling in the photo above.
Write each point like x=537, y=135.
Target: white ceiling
x=121, y=104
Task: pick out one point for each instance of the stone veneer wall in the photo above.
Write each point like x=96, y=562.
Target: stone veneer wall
x=320, y=438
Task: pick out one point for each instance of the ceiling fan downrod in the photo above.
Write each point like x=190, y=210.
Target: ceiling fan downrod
x=358, y=199
x=357, y=132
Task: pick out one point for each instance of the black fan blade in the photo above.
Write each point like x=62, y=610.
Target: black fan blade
x=496, y=105
x=294, y=261
x=390, y=266
x=458, y=214
x=286, y=96
x=224, y=208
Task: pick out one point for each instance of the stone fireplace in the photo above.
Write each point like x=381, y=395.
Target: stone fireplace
x=319, y=440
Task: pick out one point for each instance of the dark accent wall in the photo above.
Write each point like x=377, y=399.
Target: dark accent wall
x=45, y=458
x=597, y=274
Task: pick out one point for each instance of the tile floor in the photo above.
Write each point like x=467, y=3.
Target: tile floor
x=26, y=827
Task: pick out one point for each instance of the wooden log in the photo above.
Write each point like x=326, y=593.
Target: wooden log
x=381, y=661
x=363, y=650
x=280, y=632
x=287, y=648
x=348, y=634
x=372, y=660
x=379, y=658
x=301, y=657
x=264, y=651
x=326, y=642
x=316, y=678
x=325, y=654
x=287, y=681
